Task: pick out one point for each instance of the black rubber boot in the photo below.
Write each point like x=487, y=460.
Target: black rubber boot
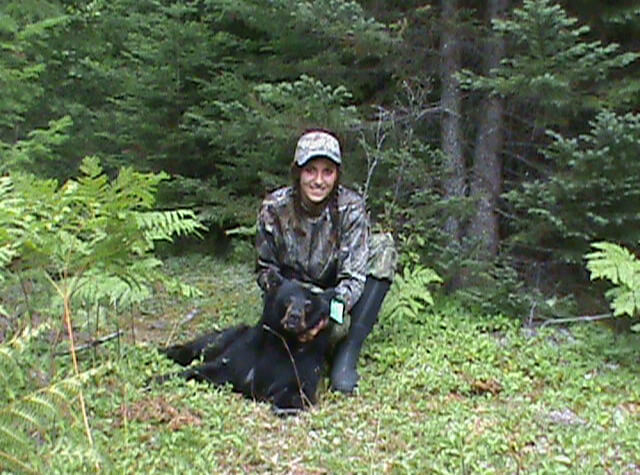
x=364, y=315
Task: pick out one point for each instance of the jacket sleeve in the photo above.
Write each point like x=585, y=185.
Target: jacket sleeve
x=267, y=234
x=354, y=252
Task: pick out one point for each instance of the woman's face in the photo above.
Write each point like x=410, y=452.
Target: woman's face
x=317, y=179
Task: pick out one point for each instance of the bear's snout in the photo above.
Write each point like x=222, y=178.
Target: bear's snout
x=295, y=316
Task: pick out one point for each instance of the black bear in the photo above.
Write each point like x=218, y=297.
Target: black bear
x=273, y=361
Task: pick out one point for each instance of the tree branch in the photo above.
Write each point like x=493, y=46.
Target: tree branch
x=584, y=318
x=92, y=344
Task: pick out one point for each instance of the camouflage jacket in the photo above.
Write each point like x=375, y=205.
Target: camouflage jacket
x=306, y=246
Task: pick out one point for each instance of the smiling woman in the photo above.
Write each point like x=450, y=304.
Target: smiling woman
x=317, y=232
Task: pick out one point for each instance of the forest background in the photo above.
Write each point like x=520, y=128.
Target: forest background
x=497, y=140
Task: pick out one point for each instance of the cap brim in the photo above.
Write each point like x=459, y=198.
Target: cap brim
x=303, y=160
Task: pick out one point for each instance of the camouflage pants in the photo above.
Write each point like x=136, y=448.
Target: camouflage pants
x=381, y=265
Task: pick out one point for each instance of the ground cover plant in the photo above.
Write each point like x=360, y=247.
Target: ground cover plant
x=443, y=391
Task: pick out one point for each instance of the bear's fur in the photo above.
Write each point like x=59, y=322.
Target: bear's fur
x=269, y=361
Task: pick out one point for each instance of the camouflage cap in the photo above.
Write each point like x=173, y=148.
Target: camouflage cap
x=316, y=144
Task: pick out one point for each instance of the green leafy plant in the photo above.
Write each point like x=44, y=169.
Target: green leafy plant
x=91, y=238
x=553, y=61
x=410, y=294
x=593, y=195
x=9, y=227
x=453, y=392
x=31, y=416
x=622, y=268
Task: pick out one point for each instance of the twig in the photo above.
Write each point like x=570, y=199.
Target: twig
x=374, y=157
x=303, y=396
x=532, y=312
x=193, y=313
x=585, y=318
x=66, y=301
x=92, y=344
x=190, y=316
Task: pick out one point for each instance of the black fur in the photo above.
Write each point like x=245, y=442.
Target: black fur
x=266, y=362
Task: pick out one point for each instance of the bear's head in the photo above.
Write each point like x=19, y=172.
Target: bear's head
x=300, y=308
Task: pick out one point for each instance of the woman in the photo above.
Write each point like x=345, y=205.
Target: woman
x=317, y=231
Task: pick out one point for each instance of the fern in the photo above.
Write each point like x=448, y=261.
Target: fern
x=112, y=290
x=163, y=225
x=27, y=413
x=131, y=285
x=618, y=265
x=93, y=238
x=10, y=218
x=10, y=226
x=410, y=295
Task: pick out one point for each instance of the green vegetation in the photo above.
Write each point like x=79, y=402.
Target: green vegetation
x=619, y=266
x=446, y=392
x=33, y=417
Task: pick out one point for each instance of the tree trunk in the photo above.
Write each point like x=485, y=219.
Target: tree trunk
x=486, y=178
x=454, y=180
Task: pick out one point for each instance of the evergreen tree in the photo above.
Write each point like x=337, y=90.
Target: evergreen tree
x=592, y=195
x=27, y=139
x=553, y=69
x=551, y=76
x=205, y=90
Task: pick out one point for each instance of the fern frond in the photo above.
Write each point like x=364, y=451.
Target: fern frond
x=30, y=410
x=620, y=266
x=116, y=291
x=34, y=413
x=60, y=393
x=177, y=287
x=410, y=294
x=10, y=225
x=10, y=373
x=10, y=462
x=614, y=263
x=624, y=300
x=42, y=405
x=136, y=188
x=163, y=225
x=11, y=437
x=7, y=253
x=21, y=416
x=5, y=186
x=11, y=351
x=91, y=167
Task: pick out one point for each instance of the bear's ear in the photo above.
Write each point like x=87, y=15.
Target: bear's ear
x=273, y=280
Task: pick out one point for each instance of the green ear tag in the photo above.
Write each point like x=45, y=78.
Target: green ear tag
x=337, y=311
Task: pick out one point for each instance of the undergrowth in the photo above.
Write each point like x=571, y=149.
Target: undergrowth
x=442, y=391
